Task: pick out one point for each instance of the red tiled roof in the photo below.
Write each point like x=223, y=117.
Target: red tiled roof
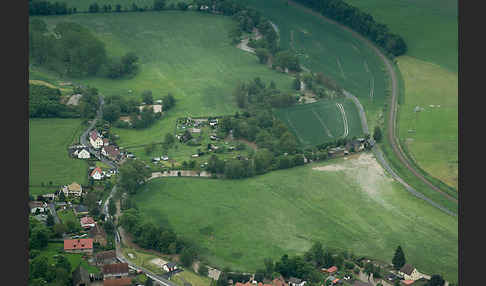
x=115, y=268
x=408, y=282
x=93, y=134
x=96, y=170
x=118, y=282
x=332, y=269
x=335, y=280
x=82, y=243
x=87, y=220
x=112, y=151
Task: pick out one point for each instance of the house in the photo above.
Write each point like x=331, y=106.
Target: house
x=106, y=142
x=83, y=154
x=115, y=270
x=330, y=270
x=118, y=282
x=409, y=272
x=334, y=280
x=81, y=245
x=105, y=257
x=87, y=222
x=81, y=277
x=97, y=174
x=279, y=282
x=37, y=205
x=111, y=152
x=74, y=189
x=98, y=235
x=95, y=140
x=407, y=282
x=49, y=197
x=296, y=282
x=80, y=210
x=169, y=267
x=157, y=108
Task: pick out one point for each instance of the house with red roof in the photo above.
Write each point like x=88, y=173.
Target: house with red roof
x=115, y=270
x=127, y=281
x=407, y=282
x=111, y=152
x=81, y=245
x=95, y=139
x=330, y=270
x=96, y=174
x=87, y=222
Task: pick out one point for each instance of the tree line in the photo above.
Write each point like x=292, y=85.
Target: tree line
x=45, y=102
x=72, y=50
x=361, y=22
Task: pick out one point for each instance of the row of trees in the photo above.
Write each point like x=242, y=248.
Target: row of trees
x=319, y=84
x=361, y=22
x=49, y=8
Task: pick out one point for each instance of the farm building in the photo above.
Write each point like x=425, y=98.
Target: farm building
x=118, y=282
x=74, y=189
x=111, y=152
x=87, y=222
x=115, y=270
x=98, y=235
x=105, y=257
x=82, y=245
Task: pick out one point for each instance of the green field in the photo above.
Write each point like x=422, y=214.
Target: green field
x=433, y=136
x=322, y=121
x=429, y=27
x=355, y=207
x=48, y=154
x=327, y=48
x=185, y=53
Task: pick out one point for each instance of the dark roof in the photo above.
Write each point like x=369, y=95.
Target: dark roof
x=106, y=255
x=112, y=151
x=407, y=269
x=295, y=280
x=80, y=208
x=115, y=268
x=80, y=275
x=171, y=264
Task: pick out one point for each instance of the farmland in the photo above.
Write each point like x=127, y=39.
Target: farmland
x=185, y=53
x=322, y=121
x=340, y=203
x=325, y=47
x=48, y=155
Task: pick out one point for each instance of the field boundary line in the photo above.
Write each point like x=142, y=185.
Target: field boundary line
x=340, y=67
x=345, y=120
x=295, y=129
x=322, y=123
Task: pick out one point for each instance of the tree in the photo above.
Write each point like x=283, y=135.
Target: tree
x=369, y=268
x=133, y=174
x=187, y=256
x=399, y=258
x=436, y=280
x=39, y=237
x=377, y=134
x=203, y=270
x=50, y=220
x=168, y=101
x=263, y=55
x=169, y=139
x=112, y=207
x=159, y=5
x=129, y=63
x=59, y=229
x=147, y=97
x=111, y=113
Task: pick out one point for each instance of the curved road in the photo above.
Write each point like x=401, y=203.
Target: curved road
x=393, y=108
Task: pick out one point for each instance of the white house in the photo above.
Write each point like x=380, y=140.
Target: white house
x=296, y=282
x=97, y=174
x=410, y=273
x=83, y=154
x=171, y=266
x=95, y=140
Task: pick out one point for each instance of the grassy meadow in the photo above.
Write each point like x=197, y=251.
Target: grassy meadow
x=344, y=203
x=433, y=136
x=325, y=47
x=321, y=122
x=48, y=154
x=185, y=53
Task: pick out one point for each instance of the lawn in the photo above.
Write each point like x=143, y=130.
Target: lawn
x=185, y=53
x=191, y=277
x=327, y=48
x=430, y=135
x=322, y=121
x=48, y=155
x=351, y=204
x=75, y=259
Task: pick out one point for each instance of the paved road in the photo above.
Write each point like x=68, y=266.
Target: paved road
x=393, y=108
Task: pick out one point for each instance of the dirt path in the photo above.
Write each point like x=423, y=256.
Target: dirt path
x=393, y=108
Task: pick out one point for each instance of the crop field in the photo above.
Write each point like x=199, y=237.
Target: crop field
x=431, y=135
x=185, y=53
x=327, y=48
x=322, y=121
x=344, y=203
x=48, y=155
